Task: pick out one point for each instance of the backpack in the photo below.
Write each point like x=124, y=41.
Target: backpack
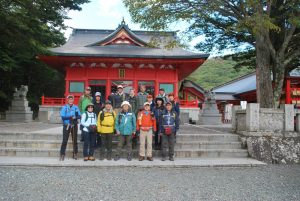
x=102, y=116
x=86, y=116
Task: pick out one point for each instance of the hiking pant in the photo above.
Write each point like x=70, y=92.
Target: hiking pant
x=146, y=136
x=89, y=143
x=67, y=129
x=98, y=142
x=168, y=142
x=106, y=143
x=124, y=139
x=157, y=139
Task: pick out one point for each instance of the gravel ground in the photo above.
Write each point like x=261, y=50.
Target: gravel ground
x=273, y=182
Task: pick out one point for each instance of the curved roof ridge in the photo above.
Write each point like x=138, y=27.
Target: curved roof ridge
x=118, y=30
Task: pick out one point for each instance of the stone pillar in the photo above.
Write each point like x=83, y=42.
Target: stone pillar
x=233, y=117
x=298, y=122
x=288, y=117
x=252, y=117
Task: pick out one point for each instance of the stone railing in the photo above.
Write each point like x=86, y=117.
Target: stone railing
x=270, y=135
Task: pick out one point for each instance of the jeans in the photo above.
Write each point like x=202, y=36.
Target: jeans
x=67, y=129
x=89, y=143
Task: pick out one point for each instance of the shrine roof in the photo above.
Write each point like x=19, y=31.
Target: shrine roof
x=108, y=43
x=237, y=86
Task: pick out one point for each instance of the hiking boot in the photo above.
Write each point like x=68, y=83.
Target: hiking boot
x=117, y=157
x=75, y=157
x=171, y=158
x=85, y=158
x=129, y=157
x=149, y=158
x=141, y=158
x=92, y=158
x=62, y=157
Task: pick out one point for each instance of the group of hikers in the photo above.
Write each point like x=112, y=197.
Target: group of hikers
x=128, y=116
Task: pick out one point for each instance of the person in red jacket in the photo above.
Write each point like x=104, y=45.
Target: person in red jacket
x=146, y=123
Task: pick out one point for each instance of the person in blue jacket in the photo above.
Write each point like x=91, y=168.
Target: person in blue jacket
x=125, y=126
x=169, y=125
x=70, y=114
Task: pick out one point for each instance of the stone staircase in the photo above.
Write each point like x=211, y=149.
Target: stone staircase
x=191, y=143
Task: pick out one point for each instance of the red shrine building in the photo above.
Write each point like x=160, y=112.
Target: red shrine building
x=103, y=59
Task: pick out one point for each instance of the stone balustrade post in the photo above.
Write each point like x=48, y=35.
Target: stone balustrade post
x=289, y=114
x=252, y=117
x=233, y=117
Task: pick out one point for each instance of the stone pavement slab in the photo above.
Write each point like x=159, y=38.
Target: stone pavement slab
x=178, y=163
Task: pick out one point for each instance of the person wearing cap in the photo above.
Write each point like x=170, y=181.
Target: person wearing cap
x=158, y=110
x=146, y=124
x=105, y=126
x=169, y=125
x=150, y=100
x=162, y=94
x=141, y=97
x=89, y=123
x=98, y=106
x=84, y=100
x=132, y=99
x=175, y=104
x=70, y=114
x=118, y=98
x=125, y=126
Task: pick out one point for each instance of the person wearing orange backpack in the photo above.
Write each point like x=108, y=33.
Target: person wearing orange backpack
x=146, y=123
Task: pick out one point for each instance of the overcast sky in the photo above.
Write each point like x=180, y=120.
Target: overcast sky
x=108, y=14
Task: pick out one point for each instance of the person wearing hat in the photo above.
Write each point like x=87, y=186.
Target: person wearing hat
x=141, y=97
x=89, y=123
x=168, y=127
x=125, y=126
x=162, y=94
x=132, y=99
x=118, y=98
x=70, y=114
x=175, y=104
x=146, y=124
x=106, y=126
x=98, y=106
x=84, y=100
x=158, y=110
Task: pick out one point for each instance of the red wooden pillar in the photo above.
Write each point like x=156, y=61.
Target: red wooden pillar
x=108, y=88
x=67, y=82
x=288, y=99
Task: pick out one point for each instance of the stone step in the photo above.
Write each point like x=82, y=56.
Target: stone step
x=208, y=137
x=207, y=145
x=203, y=153
x=47, y=144
x=52, y=144
x=179, y=137
x=212, y=153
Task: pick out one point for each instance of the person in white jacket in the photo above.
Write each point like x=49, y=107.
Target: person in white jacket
x=89, y=123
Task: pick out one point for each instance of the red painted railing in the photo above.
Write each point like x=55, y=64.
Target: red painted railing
x=190, y=104
x=57, y=101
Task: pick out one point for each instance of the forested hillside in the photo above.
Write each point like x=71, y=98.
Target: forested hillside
x=217, y=71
